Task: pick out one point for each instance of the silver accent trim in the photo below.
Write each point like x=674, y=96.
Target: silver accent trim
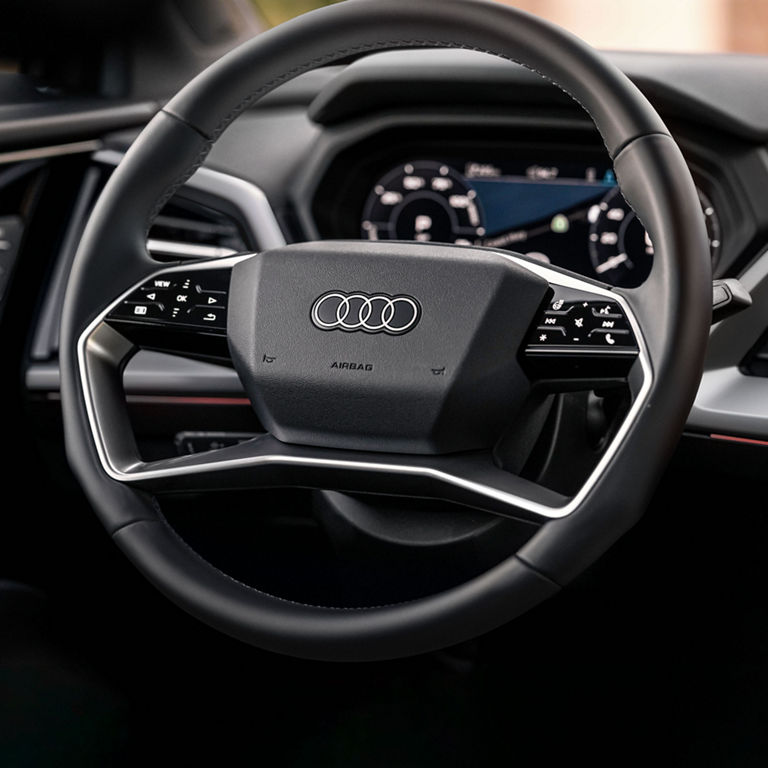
x=249, y=199
x=137, y=471
x=57, y=150
x=187, y=250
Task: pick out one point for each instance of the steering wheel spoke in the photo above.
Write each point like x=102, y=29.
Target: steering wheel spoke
x=472, y=479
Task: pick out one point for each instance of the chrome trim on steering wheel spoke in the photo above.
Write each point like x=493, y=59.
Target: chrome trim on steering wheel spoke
x=90, y=347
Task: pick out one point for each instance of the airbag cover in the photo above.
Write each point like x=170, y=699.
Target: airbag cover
x=393, y=347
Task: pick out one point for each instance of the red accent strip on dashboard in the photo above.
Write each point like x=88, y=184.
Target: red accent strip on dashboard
x=732, y=439
x=187, y=400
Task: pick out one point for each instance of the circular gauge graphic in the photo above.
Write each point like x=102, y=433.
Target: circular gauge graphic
x=619, y=247
x=425, y=201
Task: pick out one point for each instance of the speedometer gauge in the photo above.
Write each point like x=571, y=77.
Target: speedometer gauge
x=619, y=247
x=426, y=201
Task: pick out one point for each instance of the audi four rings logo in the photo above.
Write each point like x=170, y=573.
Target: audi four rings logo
x=377, y=313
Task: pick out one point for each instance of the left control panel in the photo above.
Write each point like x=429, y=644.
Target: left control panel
x=184, y=299
x=177, y=311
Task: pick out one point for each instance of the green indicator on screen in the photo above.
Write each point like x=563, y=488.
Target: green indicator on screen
x=560, y=224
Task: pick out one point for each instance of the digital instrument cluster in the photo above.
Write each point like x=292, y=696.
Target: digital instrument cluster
x=571, y=214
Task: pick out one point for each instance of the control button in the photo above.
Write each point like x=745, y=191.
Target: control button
x=159, y=283
x=610, y=338
x=213, y=281
x=132, y=310
x=145, y=294
x=209, y=289
x=215, y=317
x=147, y=289
x=549, y=335
x=558, y=312
x=607, y=310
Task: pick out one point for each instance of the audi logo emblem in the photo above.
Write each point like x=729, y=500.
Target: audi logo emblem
x=377, y=313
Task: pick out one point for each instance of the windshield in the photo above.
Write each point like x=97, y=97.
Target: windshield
x=650, y=25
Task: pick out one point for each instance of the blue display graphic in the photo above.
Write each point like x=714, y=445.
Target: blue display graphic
x=513, y=203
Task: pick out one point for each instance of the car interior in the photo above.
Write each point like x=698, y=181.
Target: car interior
x=387, y=387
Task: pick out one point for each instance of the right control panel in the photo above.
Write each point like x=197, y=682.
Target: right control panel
x=581, y=335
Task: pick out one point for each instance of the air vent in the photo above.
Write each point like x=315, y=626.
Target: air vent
x=188, y=230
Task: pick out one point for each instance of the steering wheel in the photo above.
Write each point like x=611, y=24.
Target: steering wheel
x=390, y=368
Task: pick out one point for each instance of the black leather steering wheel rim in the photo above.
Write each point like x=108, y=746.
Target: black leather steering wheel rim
x=673, y=307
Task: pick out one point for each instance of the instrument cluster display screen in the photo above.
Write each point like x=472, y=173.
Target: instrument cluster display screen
x=571, y=214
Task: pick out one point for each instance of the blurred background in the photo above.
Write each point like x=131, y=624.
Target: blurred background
x=661, y=25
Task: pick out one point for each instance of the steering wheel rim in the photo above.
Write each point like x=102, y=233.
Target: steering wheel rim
x=672, y=309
